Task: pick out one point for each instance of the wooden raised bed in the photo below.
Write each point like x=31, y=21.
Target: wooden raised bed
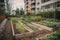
x=2, y=17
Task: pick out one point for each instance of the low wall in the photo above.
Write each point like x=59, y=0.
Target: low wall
x=2, y=28
x=2, y=17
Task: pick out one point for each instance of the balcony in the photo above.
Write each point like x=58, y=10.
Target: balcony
x=27, y=3
x=33, y=1
x=33, y=9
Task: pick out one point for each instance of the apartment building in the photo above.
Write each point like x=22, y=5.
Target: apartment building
x=36, y=5
x=50, y=4
x=32, y=5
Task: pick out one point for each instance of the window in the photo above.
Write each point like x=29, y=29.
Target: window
x=33, y=3
x=38, y=3
x=27, y=3
x=37, y=8
x=1, y=0
x=26, y=0
x=58, y=4
x=47, y=6
x=27, y=6
x=33, y=8
x=43, y=1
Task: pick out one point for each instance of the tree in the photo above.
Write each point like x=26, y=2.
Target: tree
x=17, y=12
x=21, y=11
x=2, y=9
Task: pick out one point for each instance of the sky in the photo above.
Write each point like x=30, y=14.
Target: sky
x=17, y=4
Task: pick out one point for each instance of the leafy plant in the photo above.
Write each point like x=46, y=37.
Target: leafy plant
x=14, y=20
x=53, y=36
x=49, y=24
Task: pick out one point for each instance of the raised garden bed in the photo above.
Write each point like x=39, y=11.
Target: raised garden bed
x=47, y=23
x=33, y=28
x=19, y=27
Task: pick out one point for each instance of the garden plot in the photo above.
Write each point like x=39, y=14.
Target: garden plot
x=48, y=24
x=18, y=26
x=30, y=26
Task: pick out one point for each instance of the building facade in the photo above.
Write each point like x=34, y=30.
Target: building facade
x=4, y=4
x=36, y=5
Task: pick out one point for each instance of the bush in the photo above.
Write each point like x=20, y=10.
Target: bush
x=36, y=18
x=49, y=24
x=53, y=36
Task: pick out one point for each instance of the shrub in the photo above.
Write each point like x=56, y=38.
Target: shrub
x=53, y=36
x=35, y=18
x=49, y=24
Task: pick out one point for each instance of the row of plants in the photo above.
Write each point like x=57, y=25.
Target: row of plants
x=18, y=26
x=32, y=18
x=43, y=21
x=33, y=28
x=52, y=36
x=27, y=19
x=50, y=24
x=53, y=20
x=47, y=23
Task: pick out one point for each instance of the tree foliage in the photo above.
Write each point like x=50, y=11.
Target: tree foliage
x=17, y=11
x=2, y=9
x=21, y=11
